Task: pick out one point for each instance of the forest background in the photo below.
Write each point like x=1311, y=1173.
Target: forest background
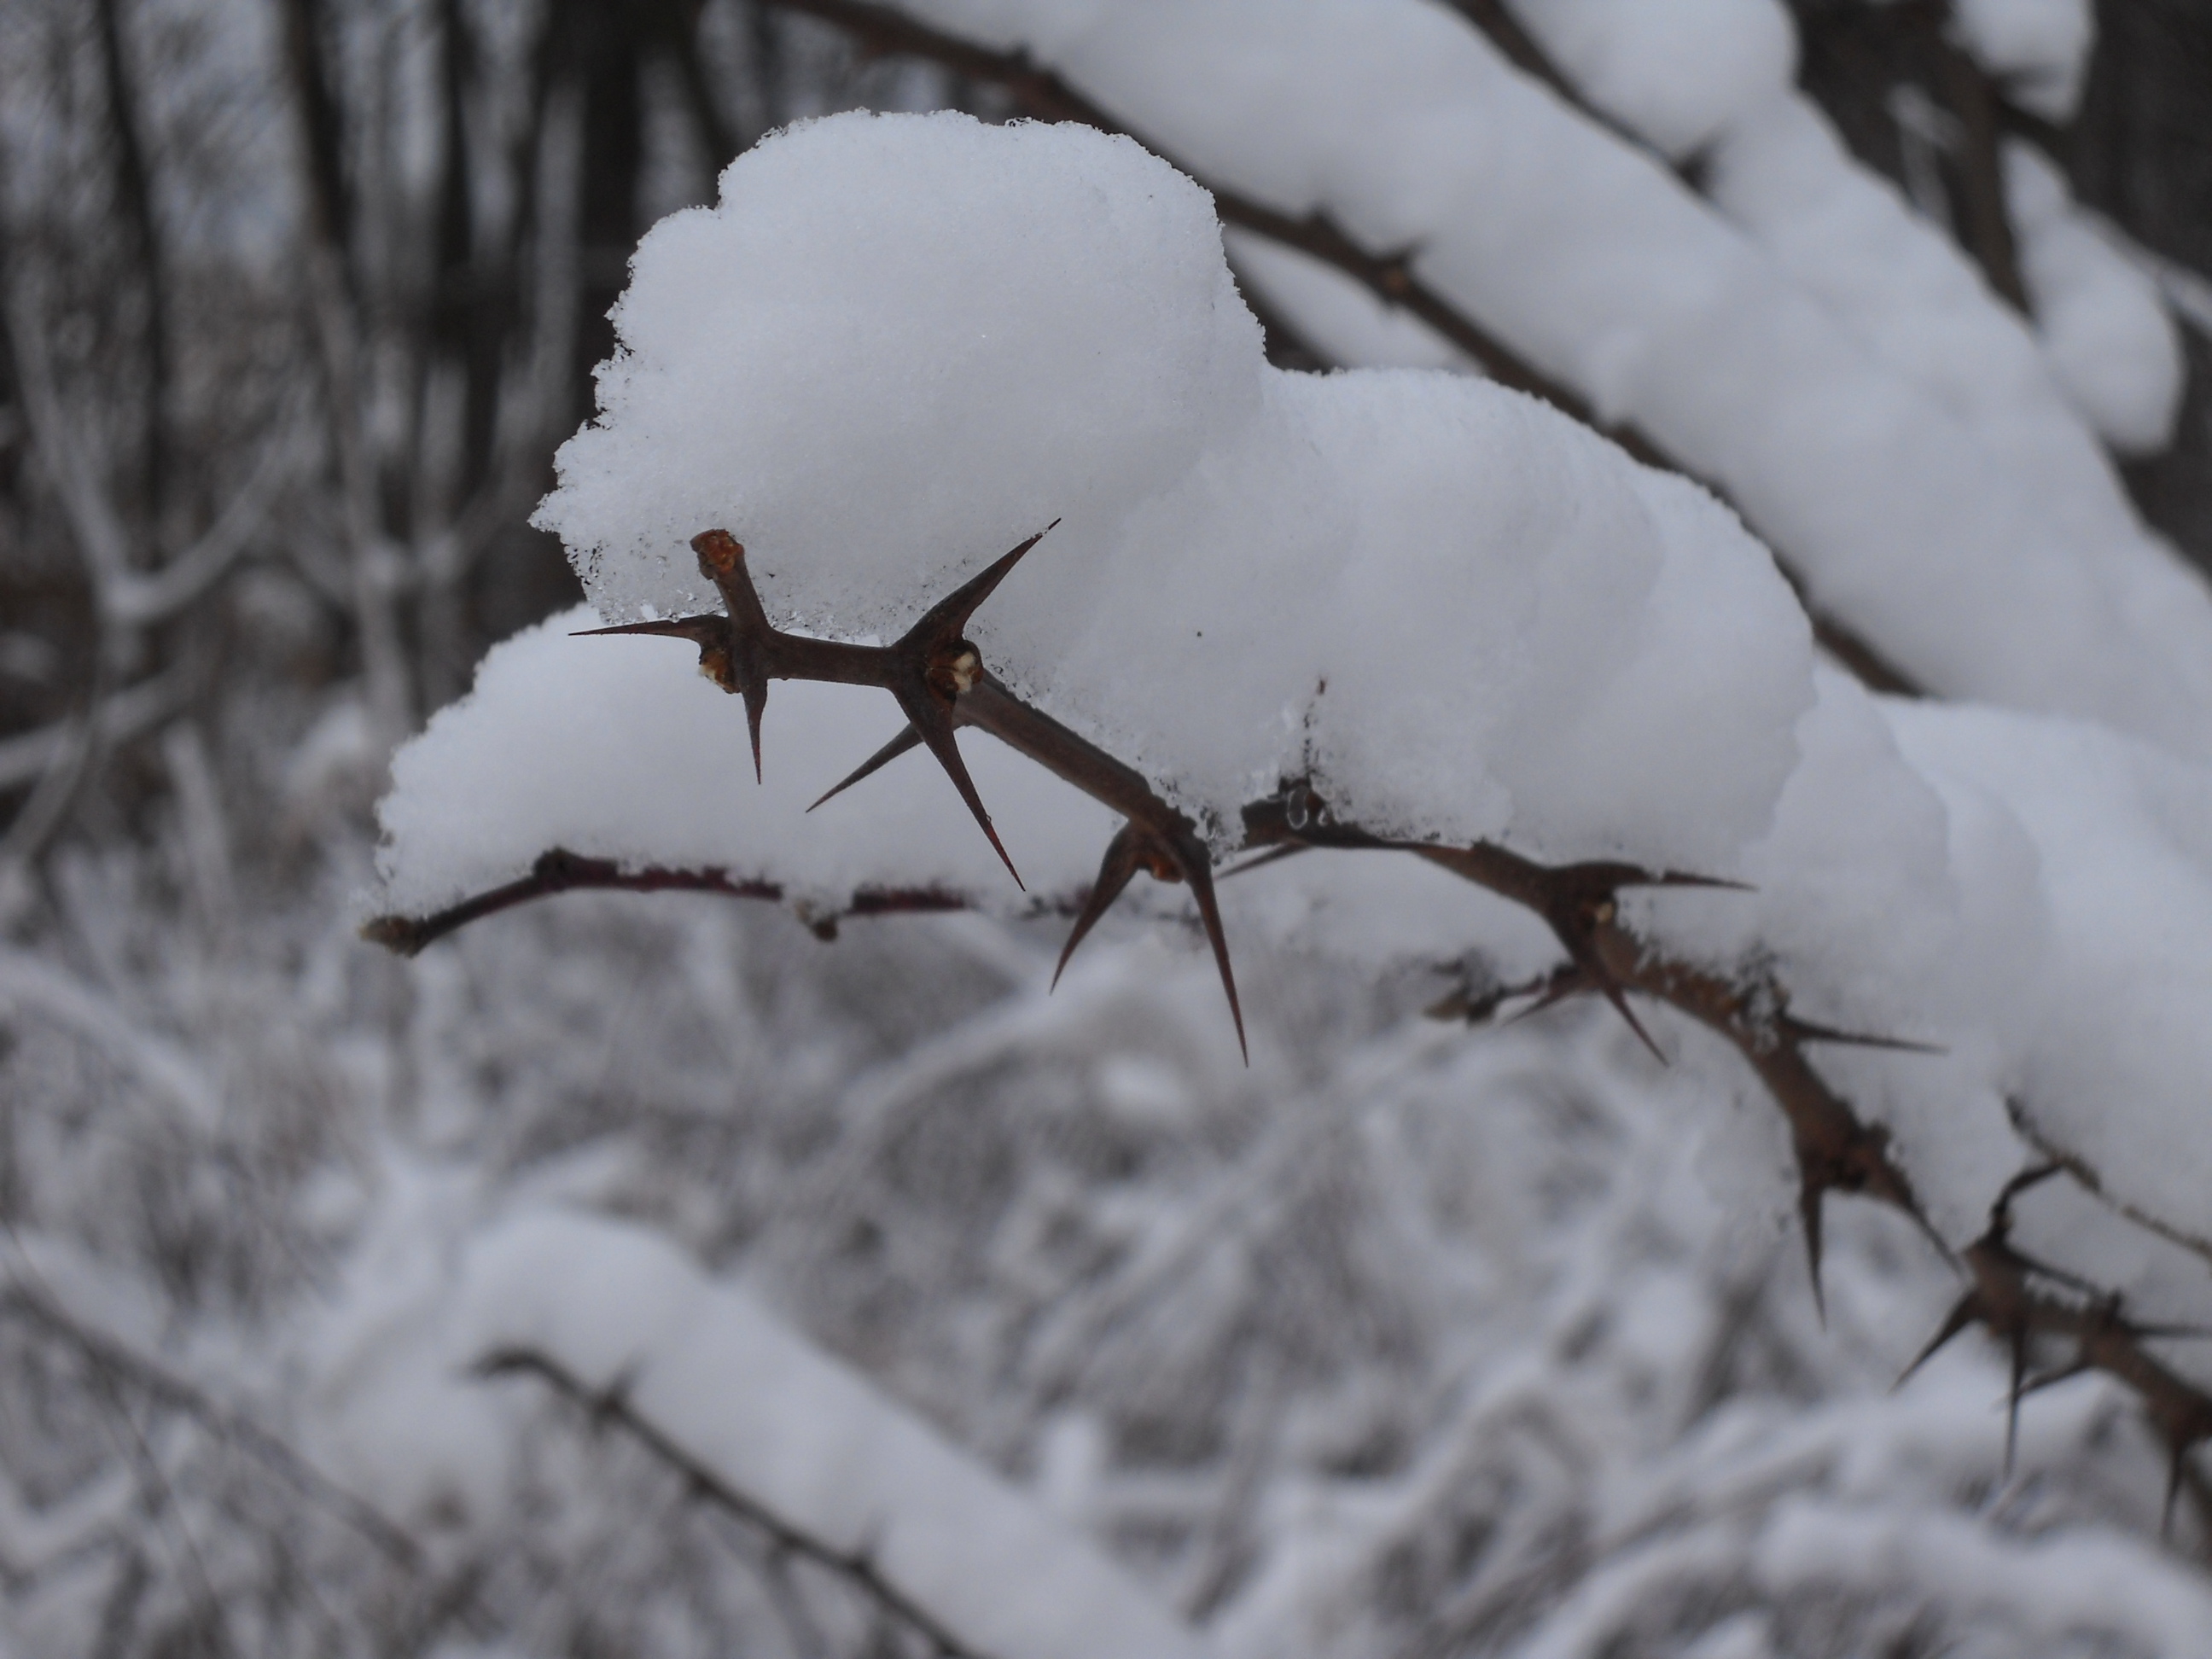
x=1411, y=1340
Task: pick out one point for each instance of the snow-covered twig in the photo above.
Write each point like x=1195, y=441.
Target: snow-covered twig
x=612, y=1405
x=558, y=870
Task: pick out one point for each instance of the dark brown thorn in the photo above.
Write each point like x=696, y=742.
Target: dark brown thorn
x=1272, y=855
x=1610, y=989
x=743, y=669
x=947, y=619
x=755, y=692
x=932, y=722
x=693, y=629
x=1550, y=991
x=1473, y=1007
x=1198, y=871
x=907, y=739
x=1804, y=1030
x=1968, y=1309
x=1124, y=858
x=1809, y=1213
x=2173, y=1491
x=1680, y=878
x=2012, y=1397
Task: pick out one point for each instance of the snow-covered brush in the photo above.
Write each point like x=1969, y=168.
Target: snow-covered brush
x=1436, y=640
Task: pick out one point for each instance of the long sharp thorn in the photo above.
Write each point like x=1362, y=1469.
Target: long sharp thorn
x=1573, y=982
x=1677, y=878
x=1596, y=972
x=1200, y=874
x=1806, y=1031
x=2173, y=1492
x=756, y=695
x=1258, y=860
x=1967, y=1310
x=949, y=616
x=908, y=738
x=933, y=720
x=673, y=628
x=1809, y=1213
x=2012, y=1398
x=1115, y=871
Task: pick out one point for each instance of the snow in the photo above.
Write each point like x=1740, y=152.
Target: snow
x=1478, y=619
x=1334, y=1352
x=1465, y=617
x=2118, y=1045
x=1675, y=72
x=1337, y=315
x=2112, y=343
x=1982, y=563
x=2038, y=49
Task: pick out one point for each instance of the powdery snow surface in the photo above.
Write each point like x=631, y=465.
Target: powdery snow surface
x=2006, y=571
x=1523, y=637
x=903, y=344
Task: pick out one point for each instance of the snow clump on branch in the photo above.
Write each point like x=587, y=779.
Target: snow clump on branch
x=900, y=344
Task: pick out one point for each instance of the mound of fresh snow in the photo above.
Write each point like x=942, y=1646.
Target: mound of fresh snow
x=900, y=344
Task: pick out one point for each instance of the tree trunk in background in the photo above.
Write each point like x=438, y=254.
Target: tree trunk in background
x=2142, y=155
x=607, y=42
x=1910, y=107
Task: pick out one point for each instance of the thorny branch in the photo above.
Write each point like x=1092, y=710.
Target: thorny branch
x=559, y=871
x=940, y=683
x=612, y=1405
x=1391, y=275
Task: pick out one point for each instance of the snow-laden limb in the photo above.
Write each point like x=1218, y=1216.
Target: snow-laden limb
x=1450, y=606
x=1979, y=570
x=2102, y=320
x=1551, y=648
x=1551, y=655
x=806, y=1440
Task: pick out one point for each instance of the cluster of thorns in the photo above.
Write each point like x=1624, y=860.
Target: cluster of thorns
x=940, y=684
